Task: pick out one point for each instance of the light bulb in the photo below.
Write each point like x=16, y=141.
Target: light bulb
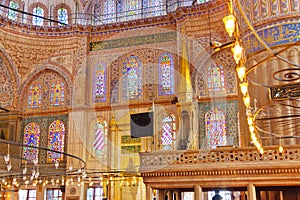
x=6, y=158
x=8, y=167
x=229, y=22
x=280, y=149
x=251, y=129
x=241, y=72
x=237, y=51
x=247, y=101
x=244, y=88
x=56, y=164
x=250, y=121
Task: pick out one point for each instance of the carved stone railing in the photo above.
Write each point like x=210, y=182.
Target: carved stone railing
x=218, y=158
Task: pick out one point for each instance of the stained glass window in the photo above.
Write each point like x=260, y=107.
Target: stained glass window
x=37, y=20
x=109, y=11
x=35, y=96
x=132, y=9
x=99, y=88
x=132, y=78
x=167, y=137
x=166, y=74
x=12, y=14
x=202, y=1
x=100, y=137
x=56, y=140
x=62, y=15
x=216, y=78
x=31, y=138
x=215, y=126
x=57, y=94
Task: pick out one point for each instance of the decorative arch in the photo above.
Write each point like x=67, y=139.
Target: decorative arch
x=165, y=74
x=35, y=9
x=47, y=76
x=132, y=78
x=31, y=138
x=167, y=131
x=99, y=87
x=99, y=138
x=9, y=82
x=215, y=127
x=56, y=140
x=62, y=12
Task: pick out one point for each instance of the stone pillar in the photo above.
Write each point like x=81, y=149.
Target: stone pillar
x=251, y=192
x=198, y=193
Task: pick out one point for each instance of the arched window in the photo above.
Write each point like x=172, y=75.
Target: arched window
x=12, y=14
x=215, y=126
x=132, y=78
x=166, y=74
x=167, y=137
x=109, y=11
x=35, y=96
x=100, y=138
x=37, y=20
x=99, y=83
x=31, y=138
x=57, y=94
x=62, y=16
x=202, y=1
x=56, y=140
x=216, y=78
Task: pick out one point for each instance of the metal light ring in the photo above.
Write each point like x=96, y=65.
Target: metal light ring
x=291, y=74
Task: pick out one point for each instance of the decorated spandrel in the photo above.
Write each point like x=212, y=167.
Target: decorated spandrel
x=167, y=137
x=166, y=74
x=56, y=141
x=62, y=15
x=132, y=78
x=12, y=14
x=215, y=125
x=57, y=94
x=38, y=11
x=31, y=138
x=99, y=83
x=35, y=96
x=100, y=138
x=216, y=78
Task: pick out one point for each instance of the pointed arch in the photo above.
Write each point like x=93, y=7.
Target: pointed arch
x=167, y=132
x=215, y=127
x=99, y=88
x=56, y=141
x=166, y=74
x=132, y=78
x=31, y=138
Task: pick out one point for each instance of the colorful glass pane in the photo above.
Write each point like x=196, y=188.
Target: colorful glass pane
x=168, y=132
x=109, y=11
x=31, y=138
x=100, y=137
x=38, y=20
x=132, y=8
x=35, y=96
x=12, y=14
x=132, y=78
x=99, y=89
x=215, y=125
x=216, y=78
x=56, y=140
x=166, y=74
x=57, y=94
x=202, y=1
x=157, y=7
x=62, y=15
